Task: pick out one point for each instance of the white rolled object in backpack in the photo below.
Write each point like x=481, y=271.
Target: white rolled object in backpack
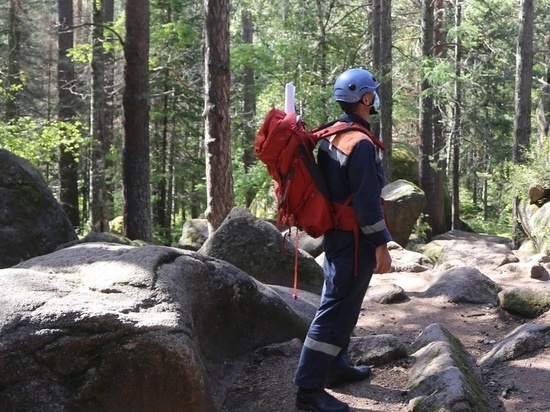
x=289, y=98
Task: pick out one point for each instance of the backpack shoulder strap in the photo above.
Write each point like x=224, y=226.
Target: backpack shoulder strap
x=339, y=128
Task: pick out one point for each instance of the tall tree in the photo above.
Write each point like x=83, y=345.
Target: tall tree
x=426, y=171
x=524, y=81
x=135, y=150
x=249, y=104
x=457, y=124
x=523, y=101
x=161, y=148
x=110, y=111
x=386, y=88
x=376, y=22
x=219, y=178
x=68, y=167
x=438, y=214
x=12, y=81
x=99, y=221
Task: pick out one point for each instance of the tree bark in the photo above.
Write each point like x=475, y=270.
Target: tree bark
x=98, y=191
x=135, y=150
x=522, y=101
x=386, y=87
x=438, y=217
x=524, y=81
x=219, y=179
x=457, y=127
x=376, y=51
x=109, y=112
x=13, y=81
x=249, y=105
x=68, y=168
x=426, y=117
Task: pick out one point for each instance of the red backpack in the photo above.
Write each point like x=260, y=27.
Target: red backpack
x=286, y=147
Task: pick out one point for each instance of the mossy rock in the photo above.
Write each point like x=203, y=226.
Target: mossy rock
x=526, y=302
x=404, y=162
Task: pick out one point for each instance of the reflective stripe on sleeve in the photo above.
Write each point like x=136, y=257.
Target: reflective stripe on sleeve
x=327, y=348
x=377, y=227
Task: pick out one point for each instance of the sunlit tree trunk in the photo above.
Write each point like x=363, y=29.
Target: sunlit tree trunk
x=522, y=101
x=160, y=145
x=219, y=179
x=135, y=150
x=375, y=19
x=98, y=192
x=426, y=171
x=68, y=168
x=386, y=88
x=438, y=218
x=249, y=105
x=13, y=80
x=457, y=127
x=110, y=110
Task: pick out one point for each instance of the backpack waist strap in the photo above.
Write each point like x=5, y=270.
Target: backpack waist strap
x=344, y=216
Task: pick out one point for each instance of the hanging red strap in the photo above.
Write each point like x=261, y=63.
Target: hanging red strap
x=296, y=259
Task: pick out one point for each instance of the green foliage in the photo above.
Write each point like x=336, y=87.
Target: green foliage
x=255, y=180
x=496, y=220
x=535, y=171
x=81, y=53
x=39, y=141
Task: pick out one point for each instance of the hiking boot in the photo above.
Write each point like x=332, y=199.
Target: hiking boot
x=348, y=375
x=319, y=401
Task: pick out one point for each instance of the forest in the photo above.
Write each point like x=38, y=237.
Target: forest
x=148, y=109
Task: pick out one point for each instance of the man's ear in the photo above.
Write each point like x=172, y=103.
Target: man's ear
x=366, y=99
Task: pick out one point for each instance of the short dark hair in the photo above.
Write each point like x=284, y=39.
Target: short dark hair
x=349, y=108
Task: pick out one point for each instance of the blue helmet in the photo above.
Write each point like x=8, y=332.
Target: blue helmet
x=351, y=85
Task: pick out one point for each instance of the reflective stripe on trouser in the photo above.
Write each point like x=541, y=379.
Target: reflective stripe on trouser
x=329, y=333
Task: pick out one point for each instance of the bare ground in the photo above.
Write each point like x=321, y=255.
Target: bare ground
x=522, y=385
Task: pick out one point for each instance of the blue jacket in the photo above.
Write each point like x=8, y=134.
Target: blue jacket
x=357, y=171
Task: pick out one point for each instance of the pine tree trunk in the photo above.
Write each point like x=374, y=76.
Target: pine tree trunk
x=438, y=218
x=14, y=50
x=98, y=191
x=249, y=106
x=376, y=51
x=426, y=172
x=523, y=102
x=135, y=151
x=219, y=179
x=68, y=168
x=386, y=88
x=457, y=128
x=109, y=113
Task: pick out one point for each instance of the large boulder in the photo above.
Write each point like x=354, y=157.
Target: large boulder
x=32, y=222
x=404, y=202
x=455, y=248
x=463, y=285
x=122, y=328
x=258, y=248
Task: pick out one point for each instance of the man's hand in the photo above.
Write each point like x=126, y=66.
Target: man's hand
x=383, y=259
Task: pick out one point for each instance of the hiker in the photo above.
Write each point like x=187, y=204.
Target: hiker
x=352, y=167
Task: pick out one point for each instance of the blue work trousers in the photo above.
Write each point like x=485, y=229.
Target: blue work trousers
x=327, y=340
